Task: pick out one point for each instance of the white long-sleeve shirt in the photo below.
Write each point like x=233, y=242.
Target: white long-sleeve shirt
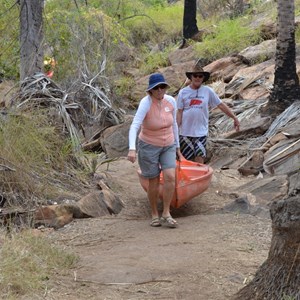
x=157, y=120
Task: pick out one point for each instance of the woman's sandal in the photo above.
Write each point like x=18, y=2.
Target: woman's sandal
x=155, y=222
x=168, y=221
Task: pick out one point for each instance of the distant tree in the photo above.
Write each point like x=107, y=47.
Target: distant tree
x=190, y=27
x=31, y=37
x=286, y=82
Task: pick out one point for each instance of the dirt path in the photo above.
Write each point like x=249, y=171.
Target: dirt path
x=209, y=256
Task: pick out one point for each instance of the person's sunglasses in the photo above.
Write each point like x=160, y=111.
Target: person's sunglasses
x=198, y=75
x=160, y=86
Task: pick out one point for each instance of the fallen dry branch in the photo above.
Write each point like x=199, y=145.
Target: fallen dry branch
x=6, y=168
x=244, y=110
x=122, y=283
x=90, y=106
x=240, y=84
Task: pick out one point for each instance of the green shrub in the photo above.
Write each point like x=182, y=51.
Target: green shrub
x=230, y=36
x=155, y=61
x=286, y=297
x=9, y=35
x=297, y=35
x=81, y=42
x=123, y=86
x=125, y=8
x=155, y=25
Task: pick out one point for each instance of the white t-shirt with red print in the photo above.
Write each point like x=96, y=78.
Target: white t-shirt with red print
x=196, y=105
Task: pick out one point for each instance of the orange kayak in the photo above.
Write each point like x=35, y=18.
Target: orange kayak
x=192, y=179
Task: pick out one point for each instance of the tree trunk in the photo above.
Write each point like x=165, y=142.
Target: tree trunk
x=190, y=27
x=279, y=276
x=31, y=37
x=286, y=82
x=239, y=7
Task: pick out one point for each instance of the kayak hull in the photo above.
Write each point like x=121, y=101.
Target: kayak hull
x=192, y=179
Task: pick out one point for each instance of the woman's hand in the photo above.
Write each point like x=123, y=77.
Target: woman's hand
x=179, y=155
x=131, y=156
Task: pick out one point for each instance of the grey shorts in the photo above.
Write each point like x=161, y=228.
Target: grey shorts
x=153, y=159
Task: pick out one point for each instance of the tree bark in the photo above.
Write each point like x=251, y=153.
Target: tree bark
x=279, y=276
x=190, y=27
x=31, y=37
x=286, y=82
x=239, y=7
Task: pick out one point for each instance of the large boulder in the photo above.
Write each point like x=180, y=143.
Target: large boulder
x=114, y=139
x=225, y=68
x=263, y=51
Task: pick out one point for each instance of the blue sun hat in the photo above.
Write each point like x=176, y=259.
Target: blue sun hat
x=156, y=79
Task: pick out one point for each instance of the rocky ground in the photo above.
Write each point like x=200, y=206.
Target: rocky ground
x=210, y=256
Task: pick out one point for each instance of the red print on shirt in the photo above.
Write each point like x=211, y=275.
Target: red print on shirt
x=195, y=102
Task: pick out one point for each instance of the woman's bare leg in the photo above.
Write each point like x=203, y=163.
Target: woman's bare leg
x=168, y=190
x=153, y=194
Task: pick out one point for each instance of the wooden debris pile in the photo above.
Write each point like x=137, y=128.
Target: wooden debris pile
x=267, y=150
x=263, y=144
x=88, y=109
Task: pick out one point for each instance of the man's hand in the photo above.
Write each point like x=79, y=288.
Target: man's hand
x=236, y=124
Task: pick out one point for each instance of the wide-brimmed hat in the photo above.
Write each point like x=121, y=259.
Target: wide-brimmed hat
x=156, y=79
x=196, y=70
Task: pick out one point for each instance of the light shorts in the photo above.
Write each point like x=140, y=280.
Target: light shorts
x=152, y=159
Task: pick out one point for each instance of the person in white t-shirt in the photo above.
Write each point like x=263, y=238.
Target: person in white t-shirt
x=193, y=104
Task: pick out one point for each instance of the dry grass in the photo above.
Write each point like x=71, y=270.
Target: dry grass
x=28, y=263
x=35, y=160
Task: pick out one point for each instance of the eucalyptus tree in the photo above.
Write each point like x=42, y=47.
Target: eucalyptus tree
x=31, y=37
x=278, y=277
x=286, y=82
x=190, y=27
